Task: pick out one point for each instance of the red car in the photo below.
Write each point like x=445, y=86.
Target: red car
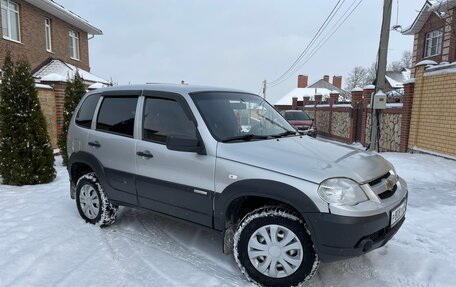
x=301, y=121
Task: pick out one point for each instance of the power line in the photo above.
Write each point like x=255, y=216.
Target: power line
x=333, y=30
x=331, y=15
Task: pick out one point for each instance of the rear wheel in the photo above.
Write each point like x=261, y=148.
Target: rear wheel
x=93, y=204
x=273, y=247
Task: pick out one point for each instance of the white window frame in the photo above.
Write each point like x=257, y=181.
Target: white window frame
x=48, y=33
x=433, y=41
x=74, y=45
x=9, y=9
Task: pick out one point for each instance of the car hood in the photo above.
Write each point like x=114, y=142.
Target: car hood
x=307, y=158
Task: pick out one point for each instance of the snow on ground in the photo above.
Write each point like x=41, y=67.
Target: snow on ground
x=43, y=241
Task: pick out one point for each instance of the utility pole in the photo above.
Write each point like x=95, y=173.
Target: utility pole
x=264, y=89
x=381, y=71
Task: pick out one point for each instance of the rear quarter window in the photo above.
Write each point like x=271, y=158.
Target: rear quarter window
x=85, y=114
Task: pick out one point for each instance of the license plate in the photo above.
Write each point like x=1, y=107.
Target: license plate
x=398, y=213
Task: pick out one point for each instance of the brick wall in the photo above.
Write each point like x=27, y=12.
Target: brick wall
x=433, y=118
x=32, y=46
x=47, y=103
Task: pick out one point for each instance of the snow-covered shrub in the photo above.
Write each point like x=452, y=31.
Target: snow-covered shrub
x=26, y=155
x=74, y=91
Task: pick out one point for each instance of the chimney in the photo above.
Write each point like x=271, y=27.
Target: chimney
x=303, y=81
x=326, y=78
x=337, y=81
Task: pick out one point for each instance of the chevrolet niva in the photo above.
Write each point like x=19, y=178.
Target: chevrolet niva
x=226, y=159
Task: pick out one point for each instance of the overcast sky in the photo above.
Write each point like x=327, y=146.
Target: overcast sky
x=235, y=43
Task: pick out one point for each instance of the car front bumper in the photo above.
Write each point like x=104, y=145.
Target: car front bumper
x=338, y=237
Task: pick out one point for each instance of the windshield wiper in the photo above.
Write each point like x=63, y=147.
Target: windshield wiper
x=246, y=137
x=284, y=134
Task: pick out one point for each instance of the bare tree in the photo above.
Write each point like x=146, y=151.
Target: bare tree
x=395, y=66
x=406, y=59
x=371, y=73
x=356, y=78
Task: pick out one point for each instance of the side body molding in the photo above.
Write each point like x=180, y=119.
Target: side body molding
x=260, y=188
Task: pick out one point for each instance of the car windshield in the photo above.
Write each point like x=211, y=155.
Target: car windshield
x=239, y=116
x=297, y=116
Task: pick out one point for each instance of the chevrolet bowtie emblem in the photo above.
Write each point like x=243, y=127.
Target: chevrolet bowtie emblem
x=389, y=184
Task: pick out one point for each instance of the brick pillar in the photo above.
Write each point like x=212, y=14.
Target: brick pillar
x=334, y=98
x=294, y=104
x=47, y=103
x=59, y=93
x=305, y=101
x=357, y=100
x=367, y=94
x=317, y=99
x=407, y=101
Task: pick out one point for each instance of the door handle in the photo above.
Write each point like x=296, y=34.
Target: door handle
x=145, y=154
x=95, y=144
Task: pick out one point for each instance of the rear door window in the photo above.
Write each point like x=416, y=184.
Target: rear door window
x=117, y=115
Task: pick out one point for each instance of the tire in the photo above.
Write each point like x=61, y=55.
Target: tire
x=291, y=245
x=92, y=203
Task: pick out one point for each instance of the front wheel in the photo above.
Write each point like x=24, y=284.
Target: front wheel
x=273, y=247
x=93, y=204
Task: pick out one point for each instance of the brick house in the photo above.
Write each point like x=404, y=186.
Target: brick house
x=55, y=41
x=434, y=30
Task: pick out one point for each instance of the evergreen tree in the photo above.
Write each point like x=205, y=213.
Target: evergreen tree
x=26, y=155
x=74, y=92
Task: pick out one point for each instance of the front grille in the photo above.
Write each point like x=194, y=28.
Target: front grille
x=378, y=180
x=381, y=188
x=303, y=128
x=388, y=193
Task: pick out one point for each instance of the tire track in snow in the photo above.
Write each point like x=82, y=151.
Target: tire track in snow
x=156, y=239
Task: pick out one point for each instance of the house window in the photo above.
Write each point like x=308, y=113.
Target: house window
x=10, y=20
x=47, y=33
x=74, y=45
x=433, y=43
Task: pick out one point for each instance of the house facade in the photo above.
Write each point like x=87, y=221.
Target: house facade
x=434, y=30
x=42, y=29
x=55, y=41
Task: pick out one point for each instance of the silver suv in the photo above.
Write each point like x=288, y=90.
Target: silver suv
x=228, y=160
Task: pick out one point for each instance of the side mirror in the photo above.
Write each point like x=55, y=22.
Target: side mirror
x=185, y=144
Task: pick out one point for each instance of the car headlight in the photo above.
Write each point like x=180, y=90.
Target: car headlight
x=341, y=191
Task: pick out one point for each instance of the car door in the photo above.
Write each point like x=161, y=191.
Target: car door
x=177, y=183
x=112, y=143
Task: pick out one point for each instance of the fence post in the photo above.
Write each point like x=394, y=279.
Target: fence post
x=333, y=98
x=356, y=109
x=407, y=105
x=294, y=104
x=317, y=98
x=367, y=94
